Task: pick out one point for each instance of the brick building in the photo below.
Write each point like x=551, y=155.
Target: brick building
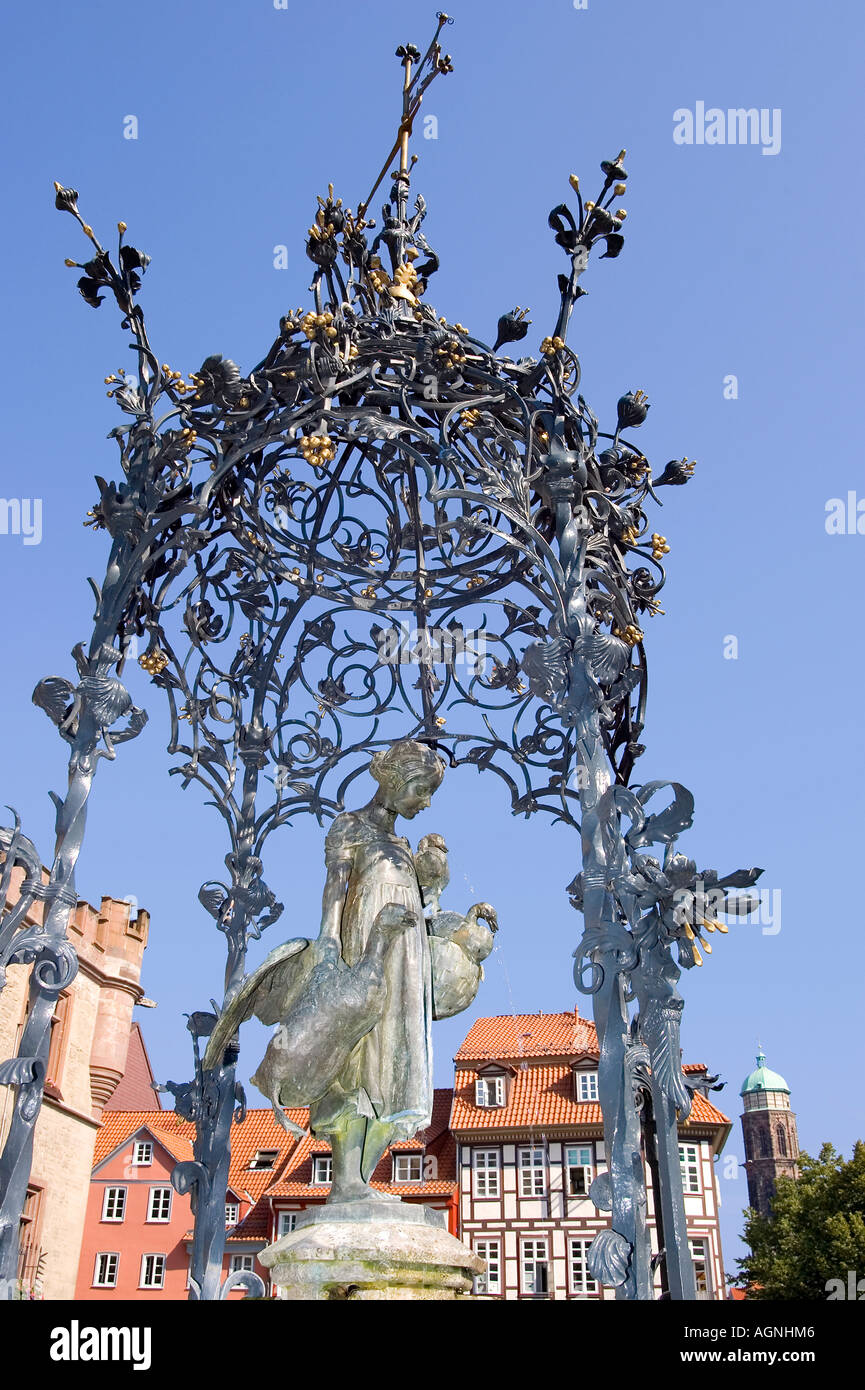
x=769, y=1132
x=88, y=1056
x=510, y=1154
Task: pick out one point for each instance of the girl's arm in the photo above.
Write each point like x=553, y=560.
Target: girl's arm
x=333, y=900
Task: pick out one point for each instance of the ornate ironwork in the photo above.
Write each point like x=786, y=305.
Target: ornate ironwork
x=383, y=483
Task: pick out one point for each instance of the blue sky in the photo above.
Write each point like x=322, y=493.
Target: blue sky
x=736, y=263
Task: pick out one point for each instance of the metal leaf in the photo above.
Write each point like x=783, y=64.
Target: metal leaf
x=609, y=1257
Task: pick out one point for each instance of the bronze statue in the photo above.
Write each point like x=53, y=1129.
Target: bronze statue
x=355, y=1007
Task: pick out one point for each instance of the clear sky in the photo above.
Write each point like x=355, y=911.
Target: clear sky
x=738, y=263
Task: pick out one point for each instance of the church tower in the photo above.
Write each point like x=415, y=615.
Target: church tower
x=769, y=1131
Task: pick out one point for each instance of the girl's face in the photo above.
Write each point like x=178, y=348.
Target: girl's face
x=413, y=797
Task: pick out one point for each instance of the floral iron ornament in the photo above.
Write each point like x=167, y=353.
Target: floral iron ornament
x=274, y=532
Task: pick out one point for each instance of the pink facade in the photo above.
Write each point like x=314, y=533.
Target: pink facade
x=126, y=1221
x=135, y=1231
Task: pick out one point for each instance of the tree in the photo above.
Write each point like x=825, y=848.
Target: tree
x=816, y=1231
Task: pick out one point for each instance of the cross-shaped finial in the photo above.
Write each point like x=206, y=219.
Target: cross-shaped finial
x=415, y=82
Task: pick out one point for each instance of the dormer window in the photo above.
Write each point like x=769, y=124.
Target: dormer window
x=586, y=1085
x=265, y=1158
x=322, y=1170
x=407, y=1167
x=490, y=1091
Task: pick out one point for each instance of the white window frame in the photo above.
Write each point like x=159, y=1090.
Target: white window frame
x=699, y=1250
x=110, y=1199
x=540, y=1256
x=153, y=1282
x=587, y=1086
x=286, y=1222
x=319, y=1162
x=690, y=1166
x=581, y=1282
x=157, y=1200
x=532, y=1163
x=264, y=1160
x=490, y=1092
x=232, y=1214
x=406, y=1162
x=587, y=1167
x=490, y=1282
x=237, y=1262
x=142, y=1153
x=109, y=1279
x=487, y=1180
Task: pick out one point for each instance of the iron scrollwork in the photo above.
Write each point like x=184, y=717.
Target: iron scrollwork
x=382, y=485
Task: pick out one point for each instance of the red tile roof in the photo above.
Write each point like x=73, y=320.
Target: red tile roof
x=436, y=1141
x=291, y=1175
x=538, y=1097
x=119, y=1125
x=258, y=1131
x=703, y=1112
x=514, y=1036
x=541, y=1098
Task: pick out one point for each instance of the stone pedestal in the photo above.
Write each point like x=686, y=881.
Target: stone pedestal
x=371, y=1250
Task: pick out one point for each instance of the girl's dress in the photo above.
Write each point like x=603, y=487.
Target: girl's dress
x=388, y=1077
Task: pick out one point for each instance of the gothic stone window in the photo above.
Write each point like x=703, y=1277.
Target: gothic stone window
x=59, y=1034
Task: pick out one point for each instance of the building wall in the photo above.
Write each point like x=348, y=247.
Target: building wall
x=86, y=1062
x=556, y=1218
x=137, y=1235
x=134, y=1236
x=765, y=1159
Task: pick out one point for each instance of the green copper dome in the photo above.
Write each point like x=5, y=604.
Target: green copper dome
x=762, y=1079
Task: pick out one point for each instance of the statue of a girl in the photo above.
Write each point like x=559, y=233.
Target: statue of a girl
x=384, y=1093
x=355, y=1007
